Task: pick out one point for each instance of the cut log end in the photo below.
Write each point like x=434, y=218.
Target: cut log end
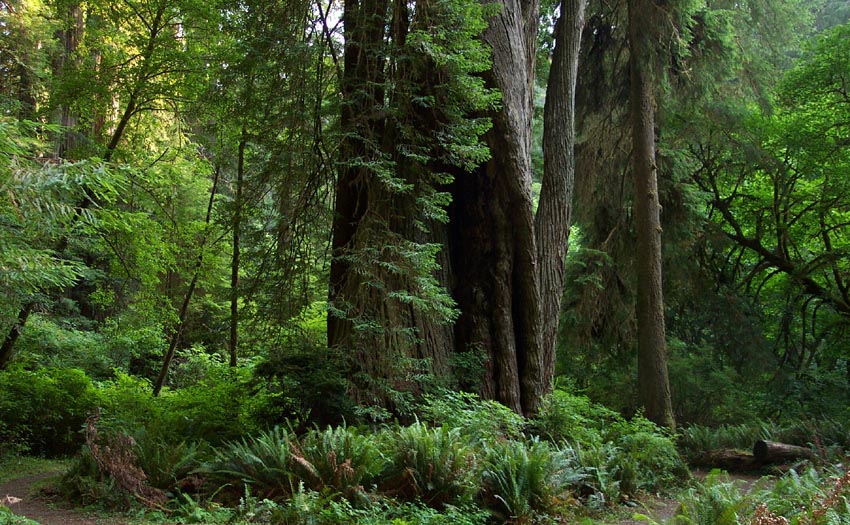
x=774, y=452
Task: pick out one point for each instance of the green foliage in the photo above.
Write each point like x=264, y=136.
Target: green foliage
x=521, y=480
x=573, y=419
x=210, y=409
x=597, y=460
x=83, y=483
x=432, y=464
x=809, y=497
x=312, y=508
x=263, y=462
x=479, y=420
x=166, y=464
x=716, y=501
x=47, y=343
x=39, y=206
x=648, y=461
x=44, y=410
x=341, y=460
x=7, y=517
x=303, y=381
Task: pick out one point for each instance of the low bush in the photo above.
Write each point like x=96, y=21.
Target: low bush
x=480, y=420
x=42, y=411
x=809, y=497
x=572, y=418
x=647, y=461
x=261, y=464
x=313, y=508
x=340, y=460
x=523, y=479
x=435, y=465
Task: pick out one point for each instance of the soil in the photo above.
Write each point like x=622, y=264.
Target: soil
x=40, y=508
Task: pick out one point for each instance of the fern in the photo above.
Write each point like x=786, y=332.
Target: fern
x=521, y=479
x=263, y=462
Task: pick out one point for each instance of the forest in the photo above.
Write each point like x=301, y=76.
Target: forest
x=426, y=261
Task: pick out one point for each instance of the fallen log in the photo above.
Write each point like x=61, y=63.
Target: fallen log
x=730, y=460
x=774, y=452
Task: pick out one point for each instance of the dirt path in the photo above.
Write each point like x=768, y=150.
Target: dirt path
x=35, y=507
x=661, y=510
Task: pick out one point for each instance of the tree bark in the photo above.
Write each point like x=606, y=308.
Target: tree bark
x=492, y=224
x=498, y=259
x=653, y=382
x=554, y=212
x=235, y=258
x=187, y=298
x=774, y=452
x=13, y=334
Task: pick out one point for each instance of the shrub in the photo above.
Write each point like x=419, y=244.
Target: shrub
x=313, y=508
x=478, y=419
x=7, y=517
x=715, y=501
x=433, y=464
x=209, y=410
x=647, y=461
x=168, y=465
x=599, y=484
x=262, y=462
x=521, y=479
x=304, y=381
x=44, y=410
x=55, y=345
x=571, y=418
x=342, y=460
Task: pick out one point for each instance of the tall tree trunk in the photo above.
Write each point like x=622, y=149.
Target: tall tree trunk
x=492, y=223
x=187, y=298
x=235, y=259
x=554, y=212
x=362, y=95
x=491, y=258
x=653, y=383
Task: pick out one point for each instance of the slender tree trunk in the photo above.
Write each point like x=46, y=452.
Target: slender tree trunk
x=187, y=298
x=653, y=383
x=131, y=108
x=13, y=334
x=554, y=212
x=235, y=261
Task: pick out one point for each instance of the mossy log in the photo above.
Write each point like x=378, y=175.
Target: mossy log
x=728, y=459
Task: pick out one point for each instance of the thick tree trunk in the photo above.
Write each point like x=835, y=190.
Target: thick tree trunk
x=552, y=224
x=774, y=452
x=492, y=222
x=362, y=96
x=653, y=383
x=491, y=259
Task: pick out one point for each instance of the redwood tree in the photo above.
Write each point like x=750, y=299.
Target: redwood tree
x=653, y=383
x=393, y=252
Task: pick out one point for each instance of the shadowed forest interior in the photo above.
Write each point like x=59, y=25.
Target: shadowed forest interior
x=428, y=261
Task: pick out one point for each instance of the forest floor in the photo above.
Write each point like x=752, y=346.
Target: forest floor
x=31, y=501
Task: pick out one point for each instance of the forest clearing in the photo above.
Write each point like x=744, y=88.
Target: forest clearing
x=467, y=262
